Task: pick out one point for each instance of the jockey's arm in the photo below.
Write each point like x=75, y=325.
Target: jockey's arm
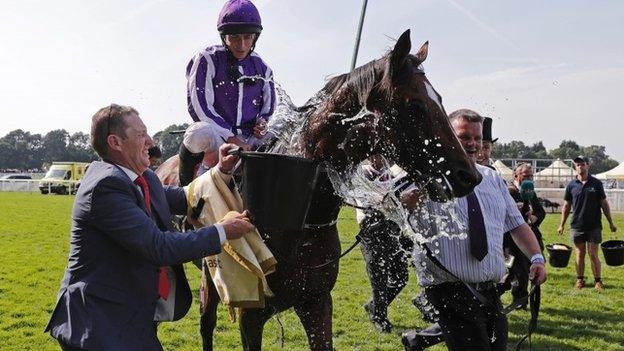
x=201, y=95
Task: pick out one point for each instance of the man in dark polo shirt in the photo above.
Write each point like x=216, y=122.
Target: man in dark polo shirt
x=585, y=195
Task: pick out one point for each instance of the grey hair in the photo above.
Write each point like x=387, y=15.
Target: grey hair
x=465, y=114
x=521, y=167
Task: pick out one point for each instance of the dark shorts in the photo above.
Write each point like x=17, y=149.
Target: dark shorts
x=582, y=236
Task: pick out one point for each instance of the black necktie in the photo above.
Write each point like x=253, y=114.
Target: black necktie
x=476, y=228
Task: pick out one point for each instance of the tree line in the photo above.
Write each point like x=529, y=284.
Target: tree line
x=22, y=150
x=568, y=149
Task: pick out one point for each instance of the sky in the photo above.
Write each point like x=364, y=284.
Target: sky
x=543, y=70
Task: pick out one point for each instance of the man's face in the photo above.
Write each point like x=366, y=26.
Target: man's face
x=581, y=168
x=470, y=135
x=134, y=147
x=240, y=44
x=484, y=155
x=525, y=174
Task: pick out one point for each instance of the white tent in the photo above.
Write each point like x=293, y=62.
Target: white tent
x=615, y=173
x=505, y=172
x=558, y=171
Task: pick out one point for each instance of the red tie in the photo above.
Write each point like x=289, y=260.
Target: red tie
x=163, y=281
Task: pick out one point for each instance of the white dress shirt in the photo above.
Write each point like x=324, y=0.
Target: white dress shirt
x=444, y=226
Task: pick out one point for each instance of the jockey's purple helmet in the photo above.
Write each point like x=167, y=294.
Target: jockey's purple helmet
x=239, y=16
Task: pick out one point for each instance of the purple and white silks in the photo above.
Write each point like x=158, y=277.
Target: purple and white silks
x=214, y=93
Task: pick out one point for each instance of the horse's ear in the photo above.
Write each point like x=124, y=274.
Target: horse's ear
x=398, y=55
x=422, y=52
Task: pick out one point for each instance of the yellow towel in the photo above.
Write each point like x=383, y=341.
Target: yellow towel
x=238, y=272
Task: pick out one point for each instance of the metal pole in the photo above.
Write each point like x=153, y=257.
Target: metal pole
x=359, y=34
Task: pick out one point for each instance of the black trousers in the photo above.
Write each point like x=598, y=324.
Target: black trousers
x=467, y=325
x=66, y=347
x=386, y=262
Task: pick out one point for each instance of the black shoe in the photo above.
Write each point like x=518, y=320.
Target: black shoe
x=381, y=323
x=418, y=340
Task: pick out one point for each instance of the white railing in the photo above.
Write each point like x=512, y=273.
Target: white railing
x=33, y=185
x=614, y=196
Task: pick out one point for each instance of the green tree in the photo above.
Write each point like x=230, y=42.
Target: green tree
x=168, y=142
x=566, y=150
x=55, y=145
x=513, y=149
x=79, y=148
x=22, y=150
x=598, y=157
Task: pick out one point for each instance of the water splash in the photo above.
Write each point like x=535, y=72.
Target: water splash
x=356, y=186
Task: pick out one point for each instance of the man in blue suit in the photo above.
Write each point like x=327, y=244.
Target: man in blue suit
x=124, y=270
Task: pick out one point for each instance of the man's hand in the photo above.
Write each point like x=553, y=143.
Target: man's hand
x=236, y=141
x=227, y=161
x=537, y=273
x=236, y=225
x=560, y=230
x=413, y=199
x=612, y=227
x=260, y=129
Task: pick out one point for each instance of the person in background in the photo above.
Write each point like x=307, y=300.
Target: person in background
x=155, y=155
x=586, y=197
x=484, y=157
x=472, y=251
x=124, y=273
x=523, y=192
x=230, y=90
x=384, y=249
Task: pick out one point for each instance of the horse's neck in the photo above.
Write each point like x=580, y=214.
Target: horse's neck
x=334, y=136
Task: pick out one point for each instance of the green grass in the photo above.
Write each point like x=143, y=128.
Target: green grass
x=34, y=236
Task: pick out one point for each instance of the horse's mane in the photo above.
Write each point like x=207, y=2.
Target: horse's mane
x=360, y=81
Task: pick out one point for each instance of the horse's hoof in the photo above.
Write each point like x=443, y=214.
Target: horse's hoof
x=381, y=323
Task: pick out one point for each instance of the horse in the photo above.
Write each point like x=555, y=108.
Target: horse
x=404, y=121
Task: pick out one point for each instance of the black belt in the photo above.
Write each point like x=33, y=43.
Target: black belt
x=480, y=287
x=484, y=286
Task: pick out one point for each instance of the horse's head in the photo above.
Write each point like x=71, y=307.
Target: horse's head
x=389, y=107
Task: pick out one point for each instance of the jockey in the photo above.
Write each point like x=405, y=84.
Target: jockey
x=230, y=90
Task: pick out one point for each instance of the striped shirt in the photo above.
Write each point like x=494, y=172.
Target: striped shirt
x=445, y=228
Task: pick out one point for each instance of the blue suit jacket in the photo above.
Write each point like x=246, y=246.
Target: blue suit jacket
x=109, y=292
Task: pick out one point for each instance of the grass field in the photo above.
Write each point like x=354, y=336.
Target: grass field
x=34, y=236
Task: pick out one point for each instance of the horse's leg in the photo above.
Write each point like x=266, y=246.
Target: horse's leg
x=316, y=317
x=208, y=310
x=251, y=323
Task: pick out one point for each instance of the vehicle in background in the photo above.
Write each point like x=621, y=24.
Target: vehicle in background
x=62, y=177
x=16, y=176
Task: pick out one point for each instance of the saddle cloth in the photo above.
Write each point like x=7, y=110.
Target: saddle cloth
x=238, y=272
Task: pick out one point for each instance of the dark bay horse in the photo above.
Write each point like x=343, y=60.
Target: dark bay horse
x=404, y=121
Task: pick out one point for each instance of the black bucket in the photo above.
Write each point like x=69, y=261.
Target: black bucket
x=613, y=251
x=277, y=189
x=558, y=257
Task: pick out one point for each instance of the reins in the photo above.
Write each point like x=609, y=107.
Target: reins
x=422, y=178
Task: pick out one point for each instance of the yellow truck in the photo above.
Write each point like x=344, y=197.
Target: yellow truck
x=62, y=177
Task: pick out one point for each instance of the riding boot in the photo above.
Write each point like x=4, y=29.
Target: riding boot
x=188, y=161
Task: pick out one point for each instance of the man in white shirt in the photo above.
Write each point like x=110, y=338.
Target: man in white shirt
x=466, y=237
